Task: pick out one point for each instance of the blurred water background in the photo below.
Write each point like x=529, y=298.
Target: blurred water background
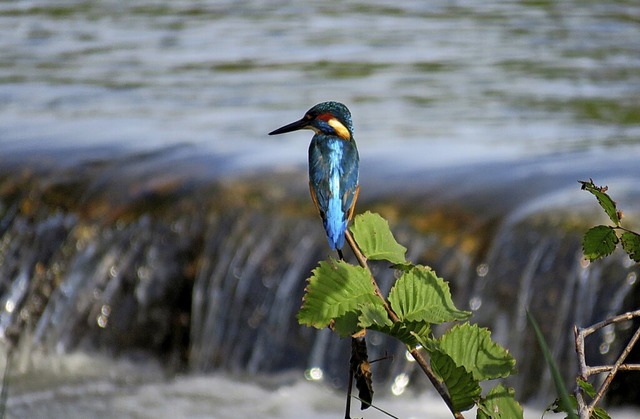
x=133, y=140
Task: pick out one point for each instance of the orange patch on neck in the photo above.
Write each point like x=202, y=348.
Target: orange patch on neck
x=341, y=130
x=337, y=126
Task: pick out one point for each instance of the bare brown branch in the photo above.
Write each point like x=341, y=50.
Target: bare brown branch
x=585, y=371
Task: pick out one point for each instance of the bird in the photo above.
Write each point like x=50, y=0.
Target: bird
x=333, y=166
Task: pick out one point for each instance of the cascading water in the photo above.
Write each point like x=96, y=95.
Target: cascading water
x=209, y=276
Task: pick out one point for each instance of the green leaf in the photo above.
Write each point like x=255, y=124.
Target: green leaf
x=607, y=204
x=599, y=413
x=411, y=334
x=463, y=388
x=374, y=315
x=631, y=244
x=347, y=324
x=566, y=403
x=587, y=387
x=419, y=295
x=375, y=239
x=407, y=266
x=500, y=403
x=573, y=405
x=335, y=289
x=471, y=347
x=599, y=242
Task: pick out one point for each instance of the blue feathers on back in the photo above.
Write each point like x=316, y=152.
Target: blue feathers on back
x=333, y=177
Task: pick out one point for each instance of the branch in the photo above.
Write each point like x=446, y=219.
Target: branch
x=604, y=368
x=585, y=371
x=617, y=319
x=614, y=370
x=362, y=260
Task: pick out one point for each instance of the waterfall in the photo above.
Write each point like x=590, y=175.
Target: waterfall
x=208, y=276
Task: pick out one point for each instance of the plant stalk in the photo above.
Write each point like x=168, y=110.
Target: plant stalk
x=440, y=388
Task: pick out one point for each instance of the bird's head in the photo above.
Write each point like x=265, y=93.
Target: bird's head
x=329, y=118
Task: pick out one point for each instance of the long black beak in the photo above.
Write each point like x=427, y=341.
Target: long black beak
x=294, y=126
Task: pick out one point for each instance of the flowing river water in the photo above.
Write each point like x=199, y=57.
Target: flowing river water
x=154, y=241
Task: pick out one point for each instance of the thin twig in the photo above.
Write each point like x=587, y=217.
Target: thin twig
x=362, y=260
x=440, y=388
x=347, y=409
x=583, y=411
x=614, y=370
x=599, y=369
x=617, y=319
x=582, y=362
x=586, y=371
x=377, y=408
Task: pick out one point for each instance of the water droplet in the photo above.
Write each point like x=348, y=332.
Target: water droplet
x=178, y=226
x=25, y=315
x=102, y=321
x=143, y=273
x=400, y=384
x=482, y=270
x=408, y=355
x=475, y=303
x=631, y=278
x=9, y=306
x=103, y=318
x=376, y=339
x=313, y=374
x=113, y=271
x=609, y=334
x=584, y=263
x=604, y=348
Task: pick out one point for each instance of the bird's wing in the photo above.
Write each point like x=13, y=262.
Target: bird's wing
x=349, y=179
x=352, y=207
x=314, y=197
x=319, y=178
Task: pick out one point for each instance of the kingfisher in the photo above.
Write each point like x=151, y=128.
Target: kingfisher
x=333, y=166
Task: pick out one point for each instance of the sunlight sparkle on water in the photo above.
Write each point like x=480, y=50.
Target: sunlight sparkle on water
x=313, y=374
x=482, y=270
x=609, y=333
x=631, y=278
x=475, y=303
x=408, y=355
x=400, y=384
x=103, y=318
x=9, y=306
